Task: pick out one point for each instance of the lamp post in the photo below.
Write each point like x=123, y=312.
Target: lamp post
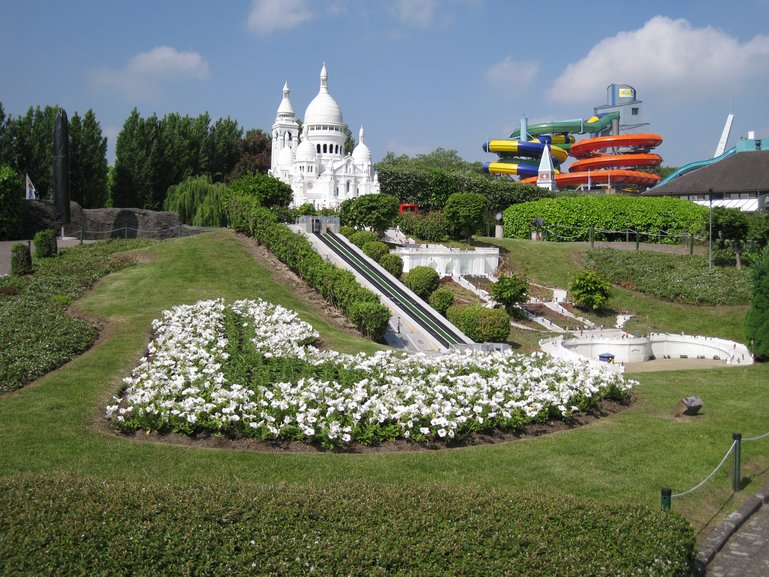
x=710, y=234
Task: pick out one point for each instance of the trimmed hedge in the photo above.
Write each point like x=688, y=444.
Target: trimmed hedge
x=21, y=259
x=676, y=278
x=375, y=250
x=392, y=263
x=45, y=243
x=441, y=299
x=423, y=280
x=571, y=217
x=79, y=526
x=361, y=237
x=337, y=286
x=481, y=324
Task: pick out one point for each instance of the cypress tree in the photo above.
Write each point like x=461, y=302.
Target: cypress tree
x=757, y=317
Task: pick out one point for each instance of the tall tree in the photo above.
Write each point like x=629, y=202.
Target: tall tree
x=467, y=211
x=88, y=161
x=254, y=152
x=223, y=148
x=31, y=141
x=5, y=139
x=136, y=151
x=349, y=142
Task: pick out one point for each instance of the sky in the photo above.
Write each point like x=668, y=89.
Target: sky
x=417, y=74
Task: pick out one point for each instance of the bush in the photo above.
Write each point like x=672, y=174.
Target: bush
x=510, y=290
x=12, y=203
x=110, y=527
x=375, y=250
x=757, y=317
x=423, y=280
x=430, y=226
x=589, y=289
x=346, y=231
x=370, y=318
x=392, y=263
x=441, y=299
x=45, y=243
x=466, y=211
x=571, y=217
x=21, y=259
x=361, y=237
x=481, y=324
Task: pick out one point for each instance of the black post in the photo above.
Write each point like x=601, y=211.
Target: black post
x=667, y=497
x=61, y=169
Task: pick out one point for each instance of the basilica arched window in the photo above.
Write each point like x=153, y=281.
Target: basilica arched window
x=325, y=148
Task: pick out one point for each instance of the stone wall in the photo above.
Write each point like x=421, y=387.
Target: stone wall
x=104, y=223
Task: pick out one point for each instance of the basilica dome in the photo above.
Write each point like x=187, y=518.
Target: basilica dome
x=323, y=109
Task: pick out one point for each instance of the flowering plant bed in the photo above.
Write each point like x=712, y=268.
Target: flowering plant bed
x=248, y=369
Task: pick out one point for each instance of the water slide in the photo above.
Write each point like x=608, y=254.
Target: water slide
x=695, y=165
x=612, y=160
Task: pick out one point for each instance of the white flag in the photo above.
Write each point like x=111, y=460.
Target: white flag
x=31, y=190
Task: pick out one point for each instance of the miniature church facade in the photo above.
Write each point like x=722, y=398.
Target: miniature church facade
x=315, y=164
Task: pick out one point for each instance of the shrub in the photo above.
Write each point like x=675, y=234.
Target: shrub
x=21, y=259
x=466, y=211
x=430, y=226
x=45, y=243
x=12, y=203
x=571, y=217
x=757, y=317
x=361, y=237
x=370, y=318
x=441, y=299
x=423, y=280
x=481, y=324
x=392, y=263
x=589, y=289
x=346, y=231
x=118, y=527
x=375, y=250
x=510, y=290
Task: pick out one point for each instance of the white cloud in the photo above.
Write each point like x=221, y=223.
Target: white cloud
x=268, y=16
x=511, y=76
x=147, y=74
x=668, y=58
x=417, y=13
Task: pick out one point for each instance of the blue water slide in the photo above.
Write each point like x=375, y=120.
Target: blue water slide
x=695, y=165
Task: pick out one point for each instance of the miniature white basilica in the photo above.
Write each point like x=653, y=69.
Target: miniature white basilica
x=318, y=170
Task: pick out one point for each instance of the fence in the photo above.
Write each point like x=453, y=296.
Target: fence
x=563, y=233
x=735, y=450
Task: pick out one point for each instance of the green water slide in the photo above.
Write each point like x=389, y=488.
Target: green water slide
x=597, y=123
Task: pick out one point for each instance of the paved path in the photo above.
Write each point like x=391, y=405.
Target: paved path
x=6, y=246
x=743, y=539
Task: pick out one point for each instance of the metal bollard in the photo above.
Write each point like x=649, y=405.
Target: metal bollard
x=667, y=497
x=736, y=478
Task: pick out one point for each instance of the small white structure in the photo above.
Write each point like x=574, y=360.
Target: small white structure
x=630, y=349
x=546, y=171
x=450, y=261
x=316, y=167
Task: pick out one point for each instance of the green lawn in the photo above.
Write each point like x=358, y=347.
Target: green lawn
x=56, y=425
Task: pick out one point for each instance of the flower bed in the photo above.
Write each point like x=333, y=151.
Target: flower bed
x=248, y=369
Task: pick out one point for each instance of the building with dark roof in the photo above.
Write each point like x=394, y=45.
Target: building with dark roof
x=739, y=178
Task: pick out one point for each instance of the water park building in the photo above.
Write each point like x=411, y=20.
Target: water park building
x=315, y=164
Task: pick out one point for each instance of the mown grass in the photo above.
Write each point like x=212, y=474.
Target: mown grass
x=56, y=425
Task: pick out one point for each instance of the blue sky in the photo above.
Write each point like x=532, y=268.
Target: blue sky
x=418, y=74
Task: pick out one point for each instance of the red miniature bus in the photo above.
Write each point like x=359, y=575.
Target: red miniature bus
x=408, y=207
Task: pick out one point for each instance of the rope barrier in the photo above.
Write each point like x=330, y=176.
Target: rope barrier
x=757, y=438
x=706, y=479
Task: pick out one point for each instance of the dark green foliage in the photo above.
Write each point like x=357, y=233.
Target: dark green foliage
x=307, y=209
x=268, y=190
x=80, y=526
x=757, y=317
x=571, y=217
x=11, y=200
x=87, y=161
x=153, y=154
x=427, y=226
x=374, y=211
x=37, y=333
x=361, y=237
x=337, y=286
x=481, y=324
x=441, y=299
x=510, y=290
x=589, y=289
x=198, y=201
x=677, y=278
x=45, y=243
x=21, y=259
x=730, y=231
x=347, y=231
x=466, y=211
x=375, y=250
x=393, y=264
x=423, y=280
x=31, y=146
